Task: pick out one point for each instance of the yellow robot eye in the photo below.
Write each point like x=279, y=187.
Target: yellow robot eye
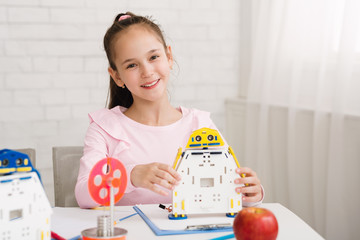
x=210, y=137
x=198, y=138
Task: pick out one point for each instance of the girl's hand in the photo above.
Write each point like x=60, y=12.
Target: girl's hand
x=252, y=189
x=153, y=175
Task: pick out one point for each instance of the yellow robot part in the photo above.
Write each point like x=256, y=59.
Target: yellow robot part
x=177, y=158
x=204, y=138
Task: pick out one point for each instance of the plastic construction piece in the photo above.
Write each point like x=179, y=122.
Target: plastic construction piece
x=231, y=215
x=205, y=137
x=12, y=161
x=25, y=210
x=177, y=217
x=107, y=172
x=207, y=168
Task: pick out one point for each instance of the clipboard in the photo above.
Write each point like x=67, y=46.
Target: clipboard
x=154, y=216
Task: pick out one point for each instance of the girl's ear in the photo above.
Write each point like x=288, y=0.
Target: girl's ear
x=169, y=56
x=115, y=76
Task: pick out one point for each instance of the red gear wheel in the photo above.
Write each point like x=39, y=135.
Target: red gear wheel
x=107, y=172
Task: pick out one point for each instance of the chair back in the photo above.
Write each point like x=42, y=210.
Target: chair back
x=66, y=162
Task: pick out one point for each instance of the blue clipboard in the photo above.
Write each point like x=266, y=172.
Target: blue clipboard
x=160, y=232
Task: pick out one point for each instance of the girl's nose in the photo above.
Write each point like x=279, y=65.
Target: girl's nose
x=147, y=70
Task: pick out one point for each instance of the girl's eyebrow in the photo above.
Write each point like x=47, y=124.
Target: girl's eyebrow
x=132, y=59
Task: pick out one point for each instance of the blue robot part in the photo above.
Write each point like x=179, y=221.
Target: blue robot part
x=177, y=217
x=14, y=162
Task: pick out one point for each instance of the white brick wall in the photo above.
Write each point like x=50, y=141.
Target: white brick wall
x=53, y=69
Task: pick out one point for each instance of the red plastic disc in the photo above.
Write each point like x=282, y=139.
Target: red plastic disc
x=107, y=172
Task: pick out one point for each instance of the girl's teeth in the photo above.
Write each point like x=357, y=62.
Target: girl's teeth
x=151, y=84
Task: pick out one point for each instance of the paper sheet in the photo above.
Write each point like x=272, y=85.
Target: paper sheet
x=160, y=218
x=69, y=222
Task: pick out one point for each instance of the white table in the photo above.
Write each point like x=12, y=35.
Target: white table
x=69, y=222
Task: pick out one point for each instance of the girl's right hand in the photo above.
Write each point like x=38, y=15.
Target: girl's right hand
x=153, y=175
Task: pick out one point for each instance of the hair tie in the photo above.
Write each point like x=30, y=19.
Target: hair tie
x=123, y=17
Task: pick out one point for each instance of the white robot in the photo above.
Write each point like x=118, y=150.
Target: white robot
x=207, y=170
x=24, y=210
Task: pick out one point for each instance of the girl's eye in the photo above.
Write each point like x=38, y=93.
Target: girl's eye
x=131, y=66
x=154, y=57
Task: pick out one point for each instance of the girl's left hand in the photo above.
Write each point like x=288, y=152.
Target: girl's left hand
x=252, y=191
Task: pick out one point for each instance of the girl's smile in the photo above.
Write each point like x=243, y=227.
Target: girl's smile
x=150, y=85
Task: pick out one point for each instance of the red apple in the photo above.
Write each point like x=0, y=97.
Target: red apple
x=255, y=224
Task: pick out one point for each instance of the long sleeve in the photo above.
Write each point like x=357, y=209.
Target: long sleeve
x=95, y=149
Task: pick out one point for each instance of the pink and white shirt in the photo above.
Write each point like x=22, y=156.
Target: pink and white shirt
x=112, y=134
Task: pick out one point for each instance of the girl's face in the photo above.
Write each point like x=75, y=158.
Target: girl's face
x=142, y=63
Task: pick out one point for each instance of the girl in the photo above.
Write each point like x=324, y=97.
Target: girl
x=141, y=128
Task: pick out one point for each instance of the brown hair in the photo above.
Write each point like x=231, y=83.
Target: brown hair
x=119, y=96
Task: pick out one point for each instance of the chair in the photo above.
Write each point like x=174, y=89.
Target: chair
x=66, y=162
x=31, y=153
